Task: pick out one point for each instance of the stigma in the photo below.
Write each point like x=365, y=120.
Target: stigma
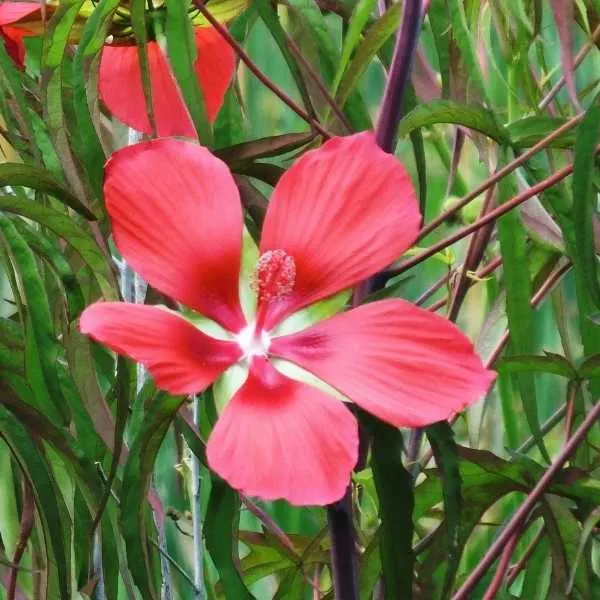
x=274, y=276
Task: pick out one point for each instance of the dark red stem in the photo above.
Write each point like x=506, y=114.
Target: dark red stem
x=406, y=44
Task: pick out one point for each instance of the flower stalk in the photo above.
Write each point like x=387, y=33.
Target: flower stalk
x=343, y=555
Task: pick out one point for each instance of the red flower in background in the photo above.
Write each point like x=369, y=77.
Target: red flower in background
x=338, y=215
x=121, y=89
x=14, y=27
x=120, y=78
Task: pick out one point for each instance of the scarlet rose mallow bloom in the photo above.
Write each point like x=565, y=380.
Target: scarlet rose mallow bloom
x=15, y=24
x=120, y=78
x=121, y=89
x=338, y=215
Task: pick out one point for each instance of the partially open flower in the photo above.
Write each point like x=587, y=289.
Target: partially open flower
x=338, y=215
x=122, y=91
x=18, y=20
x=120, y=78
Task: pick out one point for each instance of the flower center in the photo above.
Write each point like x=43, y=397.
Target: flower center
x=253, y=343
x=274, y=276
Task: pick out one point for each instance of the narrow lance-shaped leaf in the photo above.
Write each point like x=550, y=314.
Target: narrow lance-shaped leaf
x=220, y=526
x=85, y=93
x=520, y=315
x=39, y=329
x=136, y=480
x=36, y=178
x=269, y=15
x=182, y=56
x=441, y=438
x=395, y=491
x=563, y=11
x=447, y=111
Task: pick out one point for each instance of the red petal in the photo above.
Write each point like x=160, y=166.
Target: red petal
x=343, y=212
x=13, y=41
x=279, y=438
x=11, y=12
x=214, y=68
x=177, y=219
x=181, y=358
x=122, y=91
x=405, y=365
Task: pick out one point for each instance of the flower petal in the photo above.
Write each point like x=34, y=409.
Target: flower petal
x=121, y=89
x=181, y=358
x=177, y=219
x=279, y=438
x=214, y=67
x=12, y=12
x=343, y=212
x=13, y=42
x=405, y=365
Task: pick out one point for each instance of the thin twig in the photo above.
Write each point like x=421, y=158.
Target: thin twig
x=503, y=565
x=534, y=190
x=519, y=517
x=257, y=72
x=509, y=168
x=576, y=62
x=339, y=113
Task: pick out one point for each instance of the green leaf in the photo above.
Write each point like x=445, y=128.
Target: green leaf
x=182, y=53
x=361, y=15
x=447, y=111
x=531, y=130
x=220, y=527
x=86, y=65
x=138, y=24
x=13, y=174
x=54, y=100
x=513, y=244
x=590, y=367
x=442, y=35
x=135, y=516
x=555, y=364
x=584, y=198
x=466, y=45
x=264, y=147
x=564, y=532
x=395, y=491
x=376, y=36
x=67, y=229
x=445, y=452
x=268, y=14
x=51, y=254
x=44, y=349
x=49, y=500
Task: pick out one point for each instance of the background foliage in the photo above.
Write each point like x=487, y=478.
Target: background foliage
x=501, y=126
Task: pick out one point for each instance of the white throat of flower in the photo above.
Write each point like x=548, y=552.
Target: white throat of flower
x=252, y=343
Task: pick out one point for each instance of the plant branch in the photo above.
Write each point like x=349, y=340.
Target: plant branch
x=519, y=517
x=509, y=168
x=344, y=564
x=199, y=4
x=399, y=73
x=534, y=190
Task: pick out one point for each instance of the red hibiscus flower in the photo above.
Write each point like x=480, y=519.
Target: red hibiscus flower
x=121, y=89
x=14, y=27
x=120, y=78
x=338, y=215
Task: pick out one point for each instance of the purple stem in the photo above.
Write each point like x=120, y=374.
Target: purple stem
x=339, y=515
x=406, y=44
x=344, y=561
